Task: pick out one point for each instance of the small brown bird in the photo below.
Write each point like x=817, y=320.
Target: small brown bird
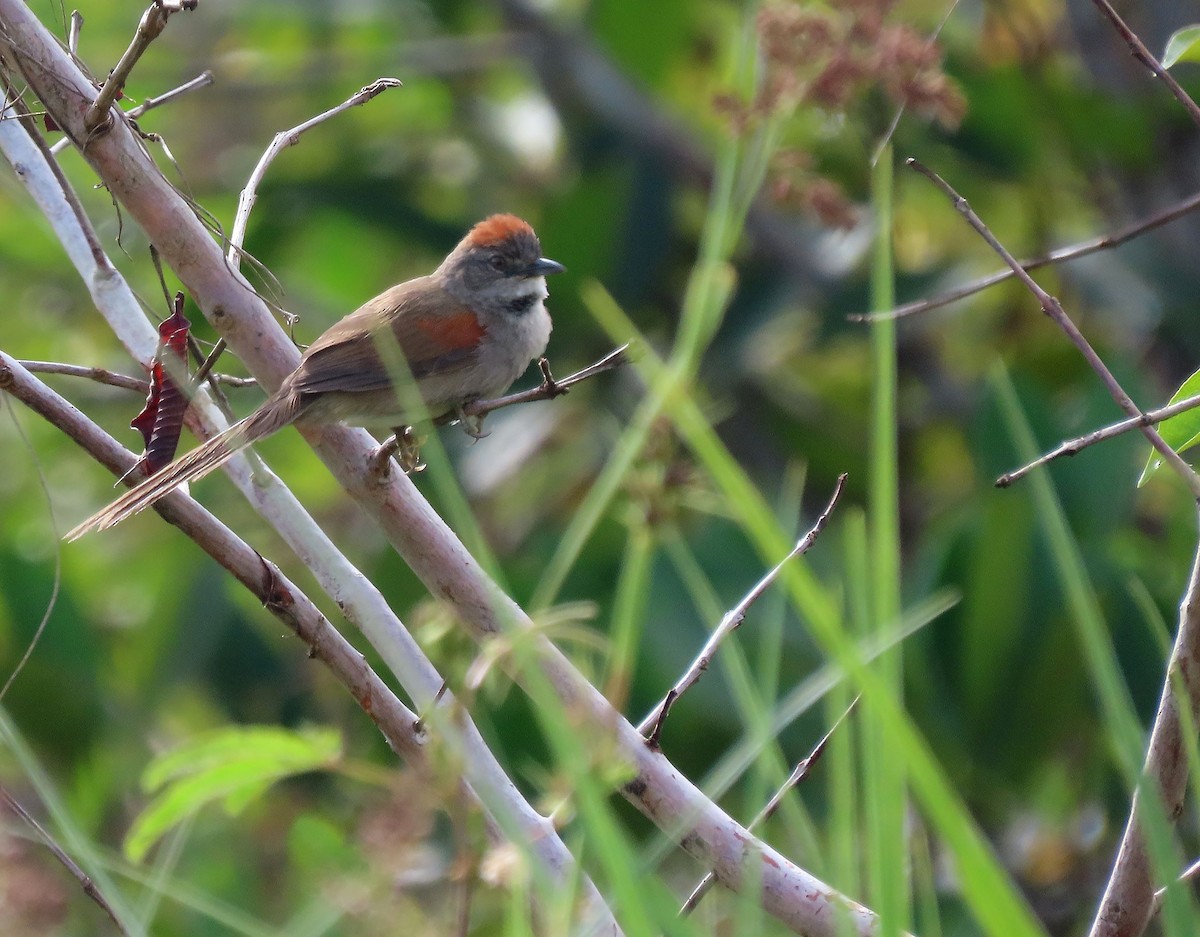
x=466, y=331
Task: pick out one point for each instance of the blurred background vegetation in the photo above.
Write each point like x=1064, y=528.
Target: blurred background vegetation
x=600, y=122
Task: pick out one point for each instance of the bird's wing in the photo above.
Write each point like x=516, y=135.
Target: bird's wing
x=357, y=353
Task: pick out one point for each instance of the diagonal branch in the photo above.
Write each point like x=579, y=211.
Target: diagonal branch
x=278, y=595
x=361, y=602
x=1129, y=898
x=1139, y=51
x=85, y=881
x=652, y=725
x=430, y=548
x=1062, y=255
x=1053, y=308
x=799, y=773
x=1079, y=443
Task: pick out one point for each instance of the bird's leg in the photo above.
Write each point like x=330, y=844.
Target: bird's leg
x=405, y=445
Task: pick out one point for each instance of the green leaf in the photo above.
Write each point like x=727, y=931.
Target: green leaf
x=232, y=766
x=1182, y=430
x=1183, y=46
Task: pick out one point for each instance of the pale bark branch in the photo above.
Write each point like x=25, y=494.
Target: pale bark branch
x=356, y=596
x=439, y=559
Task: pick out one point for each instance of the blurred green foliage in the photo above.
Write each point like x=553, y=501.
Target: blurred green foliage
x=148, y=645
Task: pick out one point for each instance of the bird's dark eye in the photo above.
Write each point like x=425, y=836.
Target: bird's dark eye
x=497, y=262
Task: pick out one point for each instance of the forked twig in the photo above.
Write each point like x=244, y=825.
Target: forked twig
x=802, y=770
x=149, y=28
x=249, y=194
x=1053, y=308
x=1079, y=443
x=651, y=727
x=203, y=80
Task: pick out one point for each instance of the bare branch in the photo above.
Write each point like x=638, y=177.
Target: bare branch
x=85, y=881
x=249, y=194
x=550, y=386
x=420, y=536
x=1079, y=443
x=283, y=599
x=1095, y=245
x=1129, y=898
x=1139, y=51
x=100, y=375
x=1053, y=308
x=802, y=770
x=153, y=22
x=203, y=80
x=361, y=602
x=651, y=727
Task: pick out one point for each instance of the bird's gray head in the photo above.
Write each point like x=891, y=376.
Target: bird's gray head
x=501, y=259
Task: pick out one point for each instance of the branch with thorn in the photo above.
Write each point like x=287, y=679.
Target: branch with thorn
x=651, y=727
x=1139, y=51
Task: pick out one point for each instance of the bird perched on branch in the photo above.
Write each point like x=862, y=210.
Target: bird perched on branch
x=464, y=332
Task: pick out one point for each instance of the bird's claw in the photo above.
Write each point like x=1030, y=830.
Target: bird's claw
x=472, y=425
x=405, y=445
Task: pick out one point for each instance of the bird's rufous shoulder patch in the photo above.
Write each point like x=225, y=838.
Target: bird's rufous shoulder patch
x=497, y=228
x=459, y=330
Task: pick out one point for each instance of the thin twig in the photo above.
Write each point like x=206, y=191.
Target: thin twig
x=1079, y=443
x=651, y=727
x=1083, y=249
x=249, y=194
x=930, y=42
x=1053, y=308
x=85, y=881
x=551, y=387
x=99, y=375
x=802, y=770
x=203, y=80
x=1139, y=51
x=1185, y=876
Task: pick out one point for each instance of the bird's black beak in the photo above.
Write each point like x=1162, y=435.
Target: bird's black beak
x=543, y=266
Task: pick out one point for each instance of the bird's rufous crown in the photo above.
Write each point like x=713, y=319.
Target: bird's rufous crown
x=497, y=228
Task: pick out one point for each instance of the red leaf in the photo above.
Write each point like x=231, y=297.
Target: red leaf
x=161, y=421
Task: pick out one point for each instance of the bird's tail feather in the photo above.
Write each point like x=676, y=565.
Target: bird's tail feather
x=273, y=415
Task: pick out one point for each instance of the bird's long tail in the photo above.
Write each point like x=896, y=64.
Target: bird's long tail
x=273, y=415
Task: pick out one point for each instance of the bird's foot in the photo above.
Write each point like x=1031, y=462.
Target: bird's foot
x=405, y=445
x=472, y=425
